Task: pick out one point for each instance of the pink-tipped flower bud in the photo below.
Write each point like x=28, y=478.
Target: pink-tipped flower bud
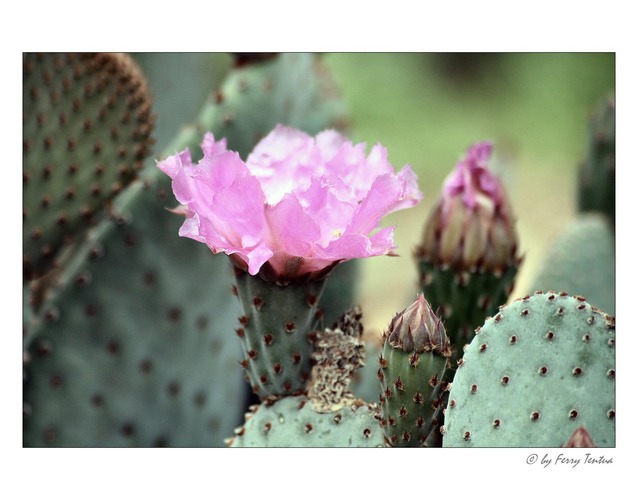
x=418, y=329
x=580, y=438
x=472, y=226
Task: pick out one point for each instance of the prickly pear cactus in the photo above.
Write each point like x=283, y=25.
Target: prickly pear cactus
x=533, y=374
x=328, y=414
x=128, y=344
x=87, y=131
x=582, y=259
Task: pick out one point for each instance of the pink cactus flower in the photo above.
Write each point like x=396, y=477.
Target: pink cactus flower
x=297, y=206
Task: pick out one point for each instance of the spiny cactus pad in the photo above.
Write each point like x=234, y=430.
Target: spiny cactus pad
x=328, y=414
x=87, y=131
x=407, y=389
x=293, y=89
x=534, y=373
x=293, y=422
x=133, y=346
x=276, y=331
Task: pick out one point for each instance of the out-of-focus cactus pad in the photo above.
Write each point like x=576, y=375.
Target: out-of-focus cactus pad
x=130, y=350
x=581, y=260
x=87, y=131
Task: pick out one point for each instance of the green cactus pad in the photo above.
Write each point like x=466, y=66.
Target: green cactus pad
x=277, y=331
x=581, y=260
x=87, y=131
x=133, y=348
x=328, y=414
x=292, y=89
x=293, y=422
x=534, y=373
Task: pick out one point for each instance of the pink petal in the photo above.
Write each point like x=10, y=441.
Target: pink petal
x=210, y=147
x=294, y=232
x=357, y=246
x=255, y=258
x=330, y=214
x=387, y=194
x=173, y=164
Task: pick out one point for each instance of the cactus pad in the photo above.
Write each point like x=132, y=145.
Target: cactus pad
x=292, y=89
x=130, y=348
x=533, y=374
x=87, y=131
x=581, y=260
x=328, y=414
x=276, y=331
x=408, y=383
x=293, y=422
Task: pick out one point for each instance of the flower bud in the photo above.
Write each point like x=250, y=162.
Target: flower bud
x=418, y=329
x=472, y=226
x=580, y=438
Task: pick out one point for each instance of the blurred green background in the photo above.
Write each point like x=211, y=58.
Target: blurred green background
x=428, y=108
